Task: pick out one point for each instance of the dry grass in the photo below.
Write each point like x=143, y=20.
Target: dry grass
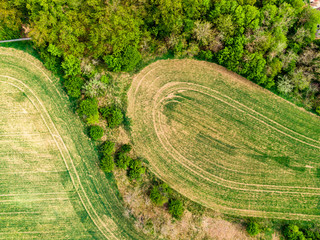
x=224, y=142
x=51, y=185
x=156, y=221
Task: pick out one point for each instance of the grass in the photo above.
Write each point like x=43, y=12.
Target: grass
x=51, y=184
x=226, y=143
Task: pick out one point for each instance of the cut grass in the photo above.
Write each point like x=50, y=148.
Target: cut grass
x=226, y=143
x=51, y=184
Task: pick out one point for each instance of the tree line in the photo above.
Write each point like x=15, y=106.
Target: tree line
x=270, y=42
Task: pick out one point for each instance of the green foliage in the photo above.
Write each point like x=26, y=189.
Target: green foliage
x=125, y=60
x=54, y=50
x=73, y=86
x=135, y=169
x=10, y=21
x=176, y=208
x=126, y=122
x=107, y=163
x=71, y=66
x=257, y=39
x=292, y=232
x=122, y=160
x=113, y=115
x=318, y=110
x=89, y=107
x=105, y=79
x=253, y=228
x=159, y=194
x=96, y=132
x=108, y=148
x=94, y=119
x=126, y=148
x=205, y=55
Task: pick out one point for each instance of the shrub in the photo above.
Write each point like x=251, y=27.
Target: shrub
x=318, y=110
x=107, y=163
x=94, y=119
x=131, y=57
x=71, y=66
x=126, y=122
x=159, y=194
x=89, y=107
x=292, y=232
x=135, y=169
x=285, y=85
x=122, y=160
x=176, y=208
x=124, y=60
x=205, y=55
x=73, y=86
x=253, y=228
x=96, y=132
x=107, y=148
x=113, y=115
x=125, y=148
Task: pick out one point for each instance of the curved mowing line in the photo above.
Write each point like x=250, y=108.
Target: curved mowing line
x=106, y=216
x=173, y=84
x=194, y=166
x=73, y=167
x=160, y=133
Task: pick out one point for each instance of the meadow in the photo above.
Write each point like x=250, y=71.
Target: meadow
x=225, y=142
x=51, y=183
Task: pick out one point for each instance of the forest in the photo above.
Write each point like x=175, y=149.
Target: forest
x=271, y=42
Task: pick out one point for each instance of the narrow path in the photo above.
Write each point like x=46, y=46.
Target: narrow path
x=15, y=40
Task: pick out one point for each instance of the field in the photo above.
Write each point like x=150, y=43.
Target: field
x=226, y=143
x=51, y=184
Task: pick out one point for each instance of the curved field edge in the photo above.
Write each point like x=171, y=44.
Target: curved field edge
x=97, y=192
x=268, y=108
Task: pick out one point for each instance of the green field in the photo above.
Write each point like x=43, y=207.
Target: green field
x=51, y=184
x=226, y=143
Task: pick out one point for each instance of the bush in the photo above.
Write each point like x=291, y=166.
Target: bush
x=113, y=115
x=124, y=60
x=73, y=86
x=176, y=208
x=125, y=148
x=107, y=148
x=135, y=169
x=253, y=228
x=122, y=160
x=94, y=119
x=292, y=232
x=126, y=122
x=159, y=194
x=71, y=66
x=89, y=108
x=205, y=55
x=131, y=57
x=96, y=132
x=107, y=163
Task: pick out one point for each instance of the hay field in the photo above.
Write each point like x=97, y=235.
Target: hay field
x=226, y=143
x=51, y=185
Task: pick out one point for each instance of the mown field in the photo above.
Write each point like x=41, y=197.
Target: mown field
x=226, y=143
x=51, y=184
